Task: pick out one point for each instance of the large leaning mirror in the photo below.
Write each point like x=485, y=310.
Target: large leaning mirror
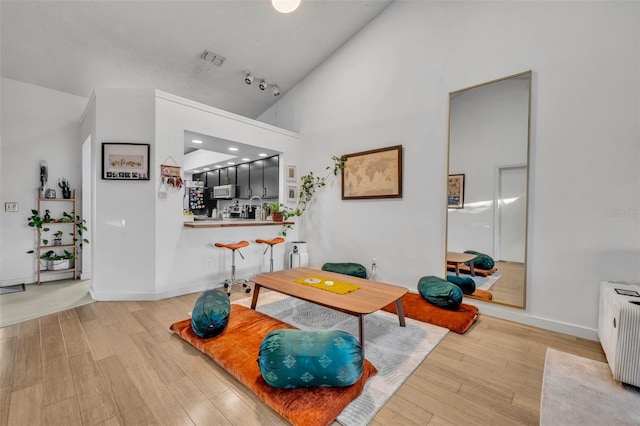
x=488, y=187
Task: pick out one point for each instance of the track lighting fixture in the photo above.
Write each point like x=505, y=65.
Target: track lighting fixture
x=248, y=77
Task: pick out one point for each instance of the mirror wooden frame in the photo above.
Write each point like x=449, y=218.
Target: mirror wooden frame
x=523, y=75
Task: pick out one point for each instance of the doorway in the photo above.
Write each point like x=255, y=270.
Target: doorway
x=87, y=207
x=511, y=214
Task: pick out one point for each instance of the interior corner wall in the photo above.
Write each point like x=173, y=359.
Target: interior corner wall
x=390, y=84
x=37, y=124
x=124, y=237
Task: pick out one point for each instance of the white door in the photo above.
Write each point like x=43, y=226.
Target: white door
x=512, y=213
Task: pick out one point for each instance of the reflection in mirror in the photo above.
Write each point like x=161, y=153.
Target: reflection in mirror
x=487, y=194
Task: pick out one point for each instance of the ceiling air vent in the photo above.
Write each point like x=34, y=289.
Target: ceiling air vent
x=214, y=58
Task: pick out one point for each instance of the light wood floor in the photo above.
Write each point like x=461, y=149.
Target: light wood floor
x=509, y=289
x=117, y=363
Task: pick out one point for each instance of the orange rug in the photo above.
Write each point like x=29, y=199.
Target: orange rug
x=236, y=349
x=416, y=307
x=464, y=268
x=482, y=294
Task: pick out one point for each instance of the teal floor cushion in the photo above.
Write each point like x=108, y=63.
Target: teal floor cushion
x=298, y=358
x=210, y=313
x=482, y=261
x=353, y=269
x=440, y=292
x=466, y=284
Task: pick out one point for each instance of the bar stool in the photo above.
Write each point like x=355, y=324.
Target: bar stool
x=228, y=283
x=271, y=243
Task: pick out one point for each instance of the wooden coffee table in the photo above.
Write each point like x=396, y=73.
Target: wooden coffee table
x=370, y=297
x=458, y=258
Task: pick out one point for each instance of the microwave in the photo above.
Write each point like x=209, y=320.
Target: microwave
x=224, y=191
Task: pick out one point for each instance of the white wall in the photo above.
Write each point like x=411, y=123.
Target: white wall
x=389, y=85
x=37, y=124
x=141, y=250
x=123, y=236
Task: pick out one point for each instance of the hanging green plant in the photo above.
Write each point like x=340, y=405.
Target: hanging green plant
x=310, y=184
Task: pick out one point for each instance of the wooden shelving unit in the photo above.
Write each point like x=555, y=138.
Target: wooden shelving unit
x=70, y=247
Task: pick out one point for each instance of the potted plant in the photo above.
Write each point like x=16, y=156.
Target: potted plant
x=57, y=262
x=310, y=184
x=276, y=213
x=66, y=190
x=35, y=221
x=57, y=238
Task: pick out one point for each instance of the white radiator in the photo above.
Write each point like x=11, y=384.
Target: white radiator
x=619, y=329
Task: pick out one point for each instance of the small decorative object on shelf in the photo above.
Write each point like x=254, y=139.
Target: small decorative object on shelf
x=47, y=217
x=50, y=193
x=57, y=238
x=66, y=191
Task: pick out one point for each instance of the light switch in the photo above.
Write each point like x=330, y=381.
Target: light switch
x=11, y=207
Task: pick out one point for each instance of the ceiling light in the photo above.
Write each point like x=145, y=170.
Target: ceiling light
x=248, y=77
x=285, y=6
x=233, y=149
x=246, y=159
x=276, y=90
x=218, y=166
x=231, y=163
x=196, y=171
x=196, y=141
x=262, y=154
x=206, y=169
x=262, y=85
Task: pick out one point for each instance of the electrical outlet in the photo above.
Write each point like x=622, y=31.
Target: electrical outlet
x=11, y=207
x=374, y=261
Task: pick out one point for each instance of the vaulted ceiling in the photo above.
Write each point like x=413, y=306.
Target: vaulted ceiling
x=77, y=46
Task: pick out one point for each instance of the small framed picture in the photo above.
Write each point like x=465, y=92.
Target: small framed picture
x=125, y=161
x=291, y=174
x=292, y=193
x=455, y=192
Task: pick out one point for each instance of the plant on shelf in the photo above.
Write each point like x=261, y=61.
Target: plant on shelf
x=310, y=184
x=35, y=221
x=66, y=190
x=276, y=213
x=81, y=226
x=57, y=237
x=55, y=261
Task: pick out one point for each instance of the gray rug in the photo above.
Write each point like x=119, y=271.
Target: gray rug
x=579, y=391
x=395, y=351
x=485, y=283
x=45, y=299
x=12, y=289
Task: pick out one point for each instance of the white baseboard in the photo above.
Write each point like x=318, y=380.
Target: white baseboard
x=110, y=297
x=32, y=279
x=523, y=317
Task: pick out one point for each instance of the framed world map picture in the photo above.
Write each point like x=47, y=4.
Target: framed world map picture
x=373, y=174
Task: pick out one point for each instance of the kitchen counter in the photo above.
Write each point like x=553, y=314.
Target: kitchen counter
x=233, y=223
